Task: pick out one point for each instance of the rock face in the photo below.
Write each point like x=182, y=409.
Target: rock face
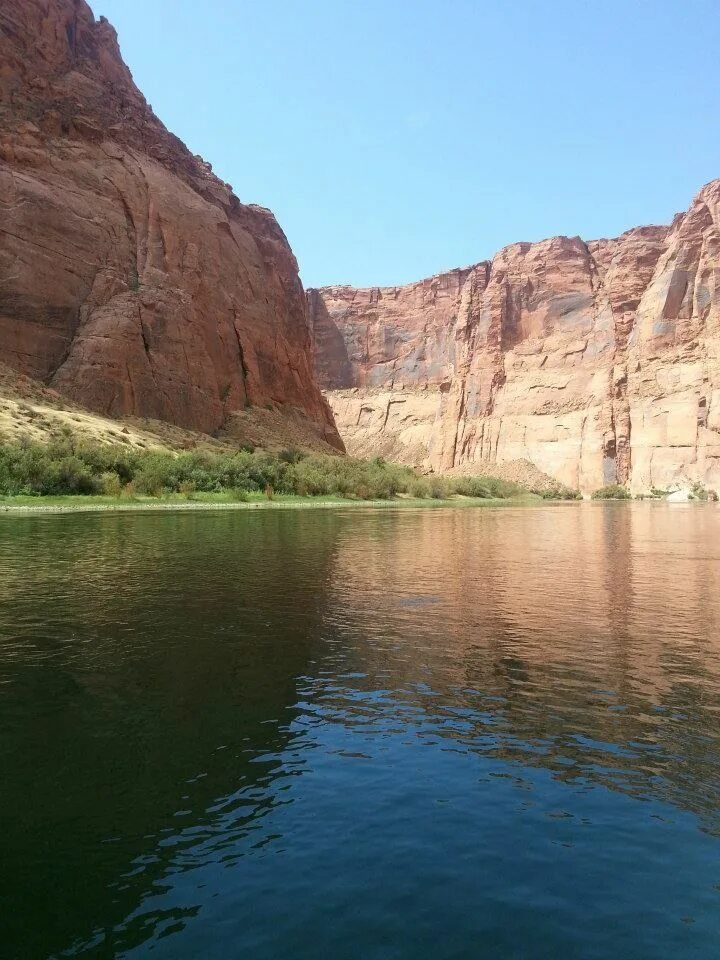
x=131, y=278
x=599, y=362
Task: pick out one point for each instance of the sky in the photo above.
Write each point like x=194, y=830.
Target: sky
x=394, y=139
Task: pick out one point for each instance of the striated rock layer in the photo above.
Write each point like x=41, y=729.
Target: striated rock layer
x=131, y=278
x=599, y=362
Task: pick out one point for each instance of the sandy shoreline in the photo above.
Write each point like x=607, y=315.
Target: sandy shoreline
x=10, y=509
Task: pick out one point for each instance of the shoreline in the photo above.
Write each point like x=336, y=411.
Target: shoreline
x=76, y=505
x=82, y=504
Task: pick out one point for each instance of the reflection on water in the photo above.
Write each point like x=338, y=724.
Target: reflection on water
x=362, y=734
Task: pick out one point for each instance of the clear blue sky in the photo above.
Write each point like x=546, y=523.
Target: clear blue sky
x=397, y=138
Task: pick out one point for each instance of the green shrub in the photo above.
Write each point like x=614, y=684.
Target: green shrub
x=187, y=488
x=558, y=493
x=473, y=487
x=699, y=492
x=611, y=492
x=419, y=488
x=66, y=466
x=110, y=484
x=154, y=476
x=291, y=455
x=438, y=489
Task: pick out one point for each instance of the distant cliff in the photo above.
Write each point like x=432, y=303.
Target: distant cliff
x=598, y=361
x=131, y=278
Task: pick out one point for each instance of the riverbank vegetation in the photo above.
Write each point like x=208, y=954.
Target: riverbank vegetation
x=615, y=491
x=612, y=491
x=71, y=468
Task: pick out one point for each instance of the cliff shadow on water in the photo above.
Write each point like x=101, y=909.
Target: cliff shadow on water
x=160, y=657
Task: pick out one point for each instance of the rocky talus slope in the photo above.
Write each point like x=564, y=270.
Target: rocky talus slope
x=599, y=362
x=132, y=279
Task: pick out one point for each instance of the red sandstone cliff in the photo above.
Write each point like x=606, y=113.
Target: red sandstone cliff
x=131, y=278
x=599, y=362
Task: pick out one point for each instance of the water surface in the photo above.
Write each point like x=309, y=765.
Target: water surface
x=362, y=734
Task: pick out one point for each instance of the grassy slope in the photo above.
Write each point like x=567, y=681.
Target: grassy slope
x=31, y=411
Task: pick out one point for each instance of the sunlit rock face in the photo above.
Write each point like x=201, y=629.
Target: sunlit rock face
x=131, y=277
x=597, y=361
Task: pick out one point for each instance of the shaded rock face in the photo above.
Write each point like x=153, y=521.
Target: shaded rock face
x=131, y=278
x=599, y=361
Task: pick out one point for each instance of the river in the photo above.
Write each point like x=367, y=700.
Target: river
x=368, y=734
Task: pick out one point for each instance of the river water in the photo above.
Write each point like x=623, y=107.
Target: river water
x=357, y=733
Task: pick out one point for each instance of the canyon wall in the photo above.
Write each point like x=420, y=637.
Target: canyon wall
x=599, y=362
x=131, y=278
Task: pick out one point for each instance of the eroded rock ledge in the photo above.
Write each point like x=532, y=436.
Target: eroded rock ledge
x=599, y=362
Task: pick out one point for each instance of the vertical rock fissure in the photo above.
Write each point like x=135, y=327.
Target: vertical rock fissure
x=241, y=358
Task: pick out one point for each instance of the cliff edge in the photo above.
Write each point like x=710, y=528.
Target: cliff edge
x=599, y=362
x=132, y=279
